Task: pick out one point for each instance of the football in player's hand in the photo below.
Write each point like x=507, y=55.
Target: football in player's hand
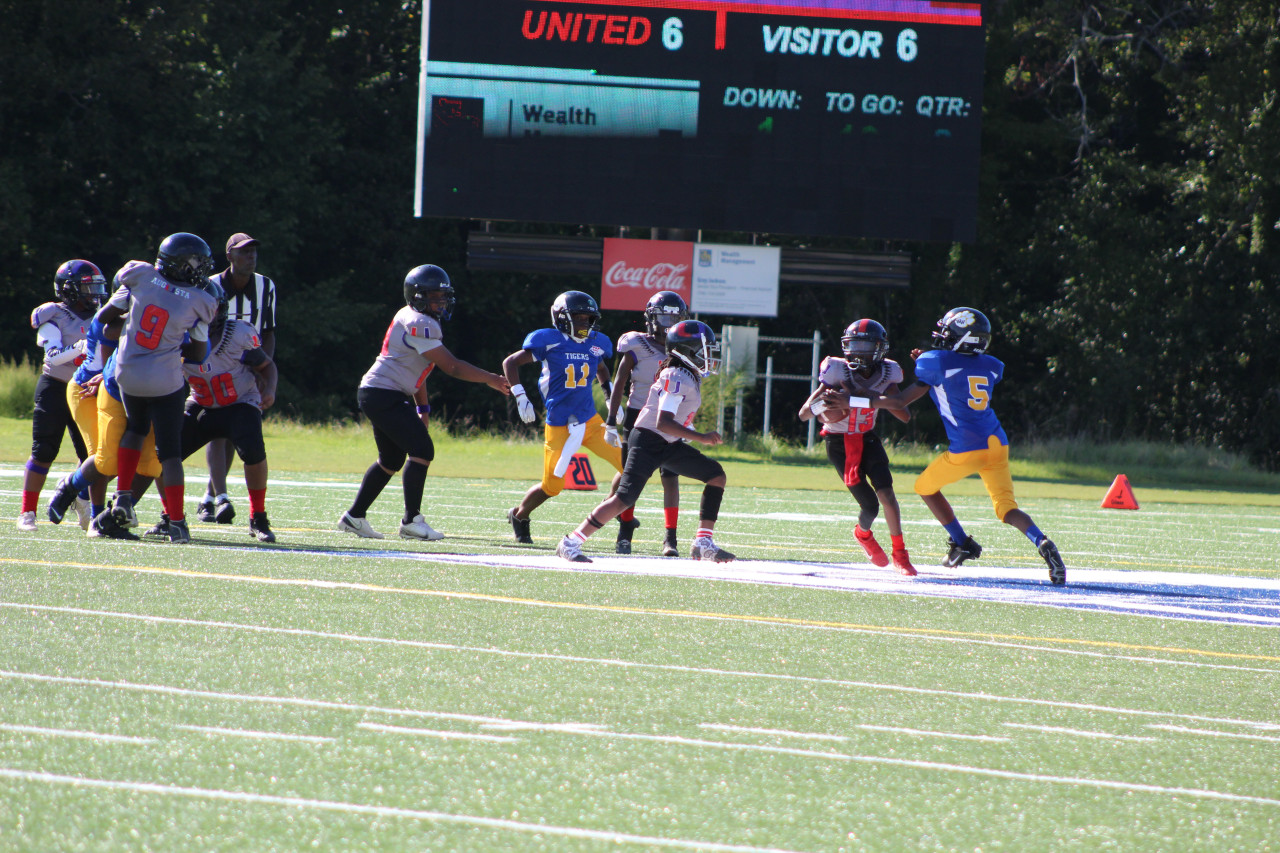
x=834, y=407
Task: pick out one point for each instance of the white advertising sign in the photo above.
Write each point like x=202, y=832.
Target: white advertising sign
x=737, y=280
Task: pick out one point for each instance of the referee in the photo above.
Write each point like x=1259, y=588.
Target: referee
x=251, y=298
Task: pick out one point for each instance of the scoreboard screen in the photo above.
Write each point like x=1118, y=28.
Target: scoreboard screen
x=856, y=118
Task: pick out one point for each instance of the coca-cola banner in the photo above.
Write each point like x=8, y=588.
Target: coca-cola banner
x=634, y=270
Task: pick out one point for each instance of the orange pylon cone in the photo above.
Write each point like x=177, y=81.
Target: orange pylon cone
x=1120, y=495
x=580, y=476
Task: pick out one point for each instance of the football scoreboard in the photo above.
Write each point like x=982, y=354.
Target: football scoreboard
x=855, y=118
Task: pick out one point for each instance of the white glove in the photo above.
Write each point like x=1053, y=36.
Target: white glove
x=611, y=436
x=523, y=406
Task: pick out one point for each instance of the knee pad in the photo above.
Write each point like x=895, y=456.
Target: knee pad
x=393, y=466
x=44, y=449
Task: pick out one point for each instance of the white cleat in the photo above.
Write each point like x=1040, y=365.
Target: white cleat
x=83, y=512
x=570, y=550
x=705, y=549
x=27, y=522
x=419, y=529
x=359, y=526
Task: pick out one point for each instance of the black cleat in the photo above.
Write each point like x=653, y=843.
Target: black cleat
x=626, y=530
x=161, y=527
x=63, y=497
x=260, y=528
x=966, y=550
x=224, y=512
x=670, y=548
x=123, y=510
x=178, y=532
x=520, y=526
x=204, y=512
x=106, y=527
x=1057, y=568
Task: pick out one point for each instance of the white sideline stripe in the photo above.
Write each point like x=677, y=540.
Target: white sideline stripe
x=1081, y=733
x=714, y=744
x=926, y=733
x=1186, y=731
x=778, y=732
x=214, y=730
x=517, y=726
x=401, y=730
x=79, y=735
x=303, y=632
x=800, y=679
x=379, y=811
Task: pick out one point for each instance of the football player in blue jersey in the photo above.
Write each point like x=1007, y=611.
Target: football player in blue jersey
x=573, y=355
x=960, y=377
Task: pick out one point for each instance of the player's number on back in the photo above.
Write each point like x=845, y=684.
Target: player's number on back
x=979, y=396
x=572, y=378
x=151, y=326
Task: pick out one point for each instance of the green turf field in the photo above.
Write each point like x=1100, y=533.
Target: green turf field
x=331, y=693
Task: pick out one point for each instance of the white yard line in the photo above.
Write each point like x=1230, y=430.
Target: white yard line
x=442, y=735
x=774, y=732
x=1210, y=733
x=612, y=838
x=927, y=733
x=1080, y=733
x=215, y=730
x=77, y=734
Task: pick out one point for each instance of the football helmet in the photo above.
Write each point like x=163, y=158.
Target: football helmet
x=424, y=282
x=568, y=304
x=865, y=343
x=692, y=343
x=963, y=330
x=185, y=258
x=224, y=302
x=78, y=281
x=665, y=309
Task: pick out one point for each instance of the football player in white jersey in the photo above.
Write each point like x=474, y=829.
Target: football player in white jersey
x=641, y=358
x=393, y=396
x=853, y=447
x=661, y=440
x=61, y=328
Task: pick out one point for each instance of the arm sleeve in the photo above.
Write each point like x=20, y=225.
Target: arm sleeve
x=49, y=336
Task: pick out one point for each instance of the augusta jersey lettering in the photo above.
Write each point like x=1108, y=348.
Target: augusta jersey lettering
x=402, y=365
x=961, y=386
x=227, y=376
x=568, y=369
x=157, y=314
x=838, y=373
x=69, y=326
x=675, y=386
x=648, y=357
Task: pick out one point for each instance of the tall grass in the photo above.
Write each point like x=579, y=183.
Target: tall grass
x=18, y=387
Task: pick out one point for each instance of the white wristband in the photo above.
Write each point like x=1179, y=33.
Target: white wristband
x=859, y=402
x=517, y=390
x=818, y=408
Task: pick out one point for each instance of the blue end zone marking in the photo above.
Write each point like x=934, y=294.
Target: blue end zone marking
x=1225, y=599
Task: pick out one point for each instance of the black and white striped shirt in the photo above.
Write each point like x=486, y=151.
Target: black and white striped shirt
x=256, y=304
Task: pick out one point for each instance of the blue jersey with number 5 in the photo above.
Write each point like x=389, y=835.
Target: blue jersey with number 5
x=961, y=386
x=568, y=370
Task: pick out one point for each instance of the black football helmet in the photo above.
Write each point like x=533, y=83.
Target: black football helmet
x=574, y=302
x=80, y=281
x=963, y=330
x=185, y=258
x=422, y=283
x=665, y=309
x=694, y=344
x=865, y=343
x=224, y=302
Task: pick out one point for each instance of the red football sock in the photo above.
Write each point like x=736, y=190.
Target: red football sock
x=628, y=514
x=257, y=500
x=128, y=466
x=670, y=514
x=898, y=543
x=173, y=498
x=30, y=500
